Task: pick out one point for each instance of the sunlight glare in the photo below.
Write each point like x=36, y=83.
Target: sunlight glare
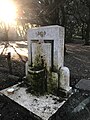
x=7, y=11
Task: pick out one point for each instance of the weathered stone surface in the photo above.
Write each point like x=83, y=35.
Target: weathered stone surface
x=51, y=47
x=46, y=51
x=64, y=78
x=42, y=106
x=83, y=84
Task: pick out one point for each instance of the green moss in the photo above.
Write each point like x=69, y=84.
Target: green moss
x=43, y=80
x=39, y=61
x=37, y=82
x=52, y=83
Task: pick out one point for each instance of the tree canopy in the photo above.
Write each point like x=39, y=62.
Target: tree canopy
x=74, y=15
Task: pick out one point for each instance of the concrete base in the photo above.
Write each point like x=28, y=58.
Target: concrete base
x=83, y=84
x=65, y=93
x=42, y=106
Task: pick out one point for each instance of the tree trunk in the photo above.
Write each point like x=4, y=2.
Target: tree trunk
x=69, y=37
x=87, y=36
x=9, y=62
x=83, y=31
x=63, y=24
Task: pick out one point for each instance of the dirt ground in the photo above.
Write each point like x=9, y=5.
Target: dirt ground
x=77, y=60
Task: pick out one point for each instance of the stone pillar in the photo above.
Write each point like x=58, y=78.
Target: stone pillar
x=65, y=80
x=26, y=68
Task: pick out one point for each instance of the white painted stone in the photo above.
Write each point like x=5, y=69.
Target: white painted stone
x=64, y=78
x=47, y=36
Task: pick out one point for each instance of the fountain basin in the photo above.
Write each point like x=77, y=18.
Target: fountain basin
x=37, y=80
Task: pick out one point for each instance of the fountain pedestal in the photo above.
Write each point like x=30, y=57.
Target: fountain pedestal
x=46, y=50
x=37, y=80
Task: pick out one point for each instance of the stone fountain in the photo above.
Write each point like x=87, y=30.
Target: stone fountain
x=46, y=77
x=45, y=67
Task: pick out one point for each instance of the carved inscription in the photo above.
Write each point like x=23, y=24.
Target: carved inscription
x=41, y=33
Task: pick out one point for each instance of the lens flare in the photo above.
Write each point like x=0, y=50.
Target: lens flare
x=7, y=11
